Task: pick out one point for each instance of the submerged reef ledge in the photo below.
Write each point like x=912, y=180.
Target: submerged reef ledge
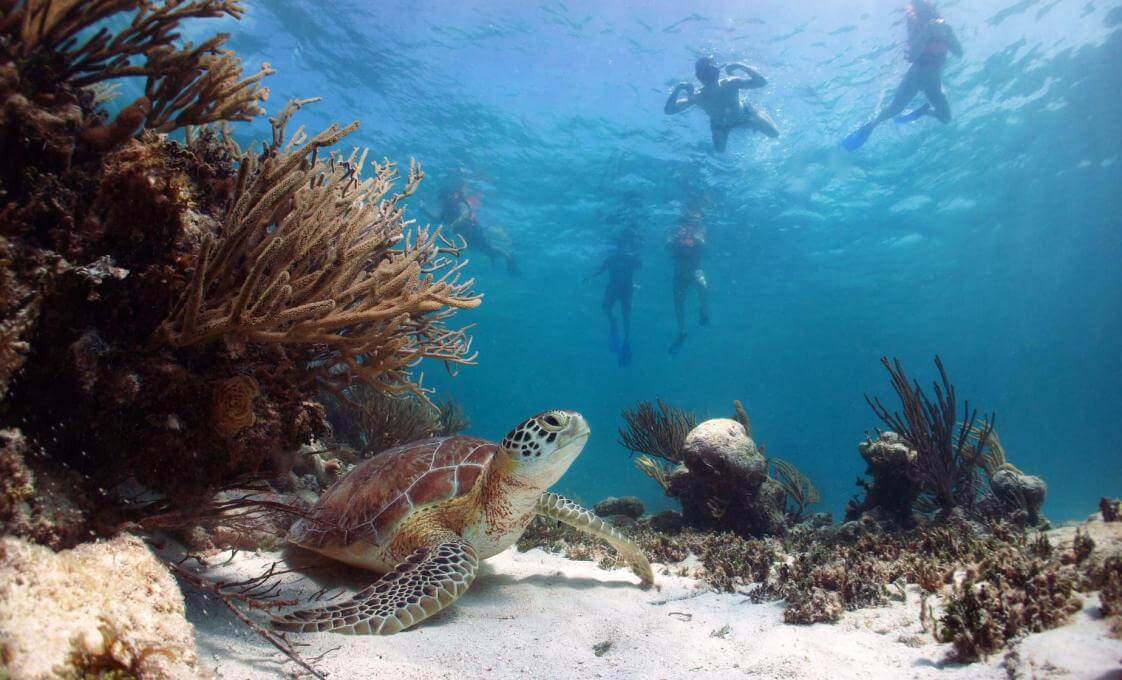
x=540, y=614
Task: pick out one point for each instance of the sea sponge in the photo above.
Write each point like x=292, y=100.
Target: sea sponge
x=106, y=606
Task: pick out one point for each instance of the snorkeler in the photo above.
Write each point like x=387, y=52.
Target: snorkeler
x=720, y=98
x=458, y=213
x=686, y=244
x=620, y=265
x=929, y=41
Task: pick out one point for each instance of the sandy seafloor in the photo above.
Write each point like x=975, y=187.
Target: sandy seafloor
x=538, y=615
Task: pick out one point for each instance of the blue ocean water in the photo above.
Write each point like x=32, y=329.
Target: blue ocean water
x=994, y=241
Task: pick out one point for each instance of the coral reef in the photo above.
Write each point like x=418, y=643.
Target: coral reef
x=991, y=583
x=370, y=421
x=946, y=461
x=99, y=608
x=171, y=312
x=1009, y=594
x=716, y=471
x=38, y=501
x=1110, y=586
x=814, y=605
x=934, y=464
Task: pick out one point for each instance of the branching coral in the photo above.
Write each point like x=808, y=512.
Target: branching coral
x=371, y=421
x=312, y=255
x=58, y=30
x=657, y=429
x=947, y=462
x=199, y=86
x=798, y=487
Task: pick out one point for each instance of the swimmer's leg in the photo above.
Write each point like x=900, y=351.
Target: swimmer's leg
x=681, y=285
x=720, y=138
x=933, y=90
x=757, y=119
x=613, y=330
x=702, y=298
x=625, y=313
x=907, y=91
x=936, y=106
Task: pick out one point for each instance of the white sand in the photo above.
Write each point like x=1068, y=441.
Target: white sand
x=536, y=615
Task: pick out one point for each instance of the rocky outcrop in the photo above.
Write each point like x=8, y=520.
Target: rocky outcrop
x=723, y=484
x=106, y=609
x=892, y=485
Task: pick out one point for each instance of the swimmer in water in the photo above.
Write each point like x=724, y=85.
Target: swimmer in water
x=620, y=266
x=458, y=214
x=686, y=245
x=720, y=98
x=930, y=39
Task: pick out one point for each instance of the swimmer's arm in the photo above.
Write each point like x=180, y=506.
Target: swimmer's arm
x=676, y=104
x=603, y=268
x=753, y=80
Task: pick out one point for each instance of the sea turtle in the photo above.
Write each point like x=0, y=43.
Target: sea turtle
x=425, y=513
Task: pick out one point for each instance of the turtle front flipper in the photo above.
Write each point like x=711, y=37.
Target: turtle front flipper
x=562, y=509
x=430, y=579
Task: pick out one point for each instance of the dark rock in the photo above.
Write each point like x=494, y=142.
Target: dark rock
x=628, y=505
x=892, y=487
x=667, y=522
x=1111, y=509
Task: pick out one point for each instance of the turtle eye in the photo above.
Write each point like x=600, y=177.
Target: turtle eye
x=552, y=422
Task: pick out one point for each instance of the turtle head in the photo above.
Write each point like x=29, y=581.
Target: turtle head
x=544, y=446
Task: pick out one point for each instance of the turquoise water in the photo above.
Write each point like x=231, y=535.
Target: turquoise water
x=994, y=241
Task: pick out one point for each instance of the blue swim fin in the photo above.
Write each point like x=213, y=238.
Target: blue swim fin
x=613, y=341
x=913, y=115
x=625, y=356
x=858, y=137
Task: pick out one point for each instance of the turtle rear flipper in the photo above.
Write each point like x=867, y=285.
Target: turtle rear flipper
x=430, y=579
x=562, y=509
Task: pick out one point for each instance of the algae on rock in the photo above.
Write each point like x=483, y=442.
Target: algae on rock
x=101, y=606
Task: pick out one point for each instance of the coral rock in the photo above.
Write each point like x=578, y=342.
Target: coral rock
x=628, y=505
x=894, y=485
x=98, y=609
x=39, y=502
x=723, y=483
x=1111, y=509
x=1020, y=493
x=724, y=445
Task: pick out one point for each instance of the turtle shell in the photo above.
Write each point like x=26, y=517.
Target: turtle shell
x=370, y=503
